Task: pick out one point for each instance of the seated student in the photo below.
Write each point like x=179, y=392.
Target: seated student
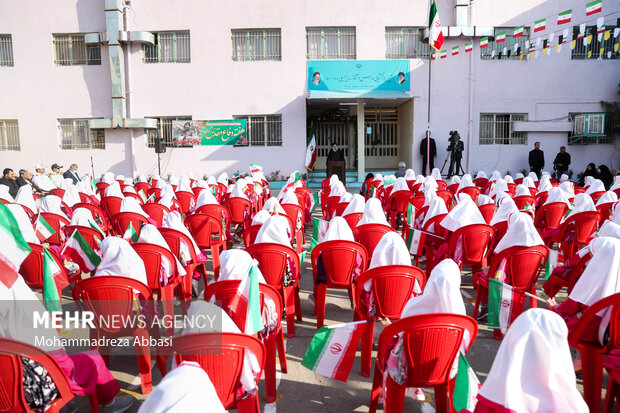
x=174, y=220
x=168, y=198
x=506, y=208
x=466, y=182
x=583, y=203
x=24, y=197
x=71, y=196
x=409, y=175
x=365, y=189
x=151, y=235
x=531, y=372
x=118, y=258
x=24, y=223
x=114, y=190
x=206, y=197
x=356, y=205
x=373, y=213
x=261, y=217
x=273, y=206
x=82, y=217
x=52, y=204
x=130, y=204
x=235, y=264
x=275, y=230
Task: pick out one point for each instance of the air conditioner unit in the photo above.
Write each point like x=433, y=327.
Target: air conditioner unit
x=589, y=124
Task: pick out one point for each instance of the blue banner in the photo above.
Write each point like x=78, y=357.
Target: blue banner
x=358, y=75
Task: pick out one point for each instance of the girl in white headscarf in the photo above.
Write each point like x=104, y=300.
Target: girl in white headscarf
x=495, y=175
x=24, y=223
x=596, y=185
x=544, y=184
x=131, y=204
x=522, y=190
x=391, y=250
x=356, y=205
x=261, y=217
x=400, y=185
x=52, y=204
x=108, y=178
x=205, y=197
x=82, y=217
x=533, y=176
x=464, y=213
x=24, y=197
x=373, y=213
x=608, y=197
x=223, y=179
x=466, y=182
x=114, y=190
x=499, y=186
x=175, y=221
x=529, y=182
x=410, y=175
x=185, y=185
x=290, y=198
x=167, y=196
x=557, y=195
x=275, y=230
x=521, y=232
x=273, y=206
x=583, y=203
x=481, y=174
x=484, y=200
x=532, y=370
x=118, y=258
x=5, y=195
x=455, y=180
x=338, y=230
x=238, y=190
x=506, y=208
x=337, y=189
x=509, y=179
x=436, y=173
x=151, y=235
x=85, y=186
x=616, y=184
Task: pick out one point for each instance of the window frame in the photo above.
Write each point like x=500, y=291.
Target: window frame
x=156, y=48
x=421, y=50
x=5, y=125
x=322, y=55
x=276, y=122
x=92, y=53
x=150, y=139
x=511, y=139
x=249, y=56
x=96, y=137
x=588, y=138
x=6, y=50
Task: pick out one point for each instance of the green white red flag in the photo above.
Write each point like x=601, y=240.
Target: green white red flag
x=565, y=17
x=53, y=282
x=130, y=234
x=332, y=350
x=540, y=25
x=518, y=31
x=310, y=150
x=319, y=228
x=42, y=229
x=14, y=248
x=254, y=168
x=435, y=35
x=247, y=301
x=80, y=252
x=466, y=386
x=484, y=42
x=469, y=46
x=594, y=7
x=502, y=299
x=500, y=37
x=413, y=241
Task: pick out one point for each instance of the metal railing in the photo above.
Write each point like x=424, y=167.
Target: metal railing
x=9, y=135
x=252, y=45
x=405, y=43
x=6, y=50
x=506, y=50
x=263, y=130
x=336, y=43
x=169, y=47
x=593, y=50
x=71, y=50
x=163, y=131
x=498, y=129
x=75, y=134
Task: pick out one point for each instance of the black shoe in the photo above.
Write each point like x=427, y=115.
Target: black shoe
x=483, y=313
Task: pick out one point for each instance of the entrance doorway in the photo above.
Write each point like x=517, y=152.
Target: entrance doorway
x=382, y=141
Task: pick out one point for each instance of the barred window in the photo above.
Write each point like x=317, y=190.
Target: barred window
x=71, y=50
x=163, y=131
x=9, y=135
x=498, y=129
x=169, y=47
x=250, y=45
x=405, y=43
x=593, y=49
x=510, y=49
x=6, y=50
x=330, y=43
x=590, y=128
x=263, y=130
x=76, y=134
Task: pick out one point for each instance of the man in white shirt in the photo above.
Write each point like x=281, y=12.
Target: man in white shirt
x=56, y=177
x=41, y=180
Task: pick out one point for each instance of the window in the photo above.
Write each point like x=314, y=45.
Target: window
x=509, y=49
x=249, y=45
x=264, y=130
x=498, y=129
x=6, y=50
x=589, y=128
x=163, y=131
x=169, y=47
x=593, y=50
x=330, y=43
x=9, y=135
x=405, y=43
x=71, y=50
x=75, y=134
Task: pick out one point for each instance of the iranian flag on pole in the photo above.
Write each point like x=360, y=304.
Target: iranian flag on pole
x=14, y=248
x=466, y=386
x=142, y=195
x=53, y=281
x=501, y=305
x=130, y=234
x=518, y=31
x=435, y=36
x=332, y=350
x=319, y=228
x=469, y=46
x=247, y=300
x=500, y=37
x=594, y=7
x=310, y=150
x=81, y=253
x=42, y=229
x=484, y=42
x=540, y=25
x=254, y=168
x=565, y=17
x=413, y=241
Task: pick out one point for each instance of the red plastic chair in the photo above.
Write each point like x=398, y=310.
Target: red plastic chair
x=135, y=196
x=579, y=190
x=187, y=201
x=574, y=275
x=431, y=344
x=549, y=216
x=447, y=197
x=87, y=199
x=487, y=211
x=120, y=222
x=33, y=266
x=398, y=204
x=352, y=219
x=442, y=185
x=156, y=212
x=208, y=234
x=240, y=210
x=218, y=212
x=522, y=200
x=225, y=292
x=432, y=240
x=476, y=241
x=221, y=355
x=57, y=223
x=11, y=377
x=541, y=198
x=296, y=214
x=249, y=234
x=518, y=181
x=472, y=191
x=480, y=183
x=156, y=192
x=369, y=235
x=58, y=192
x=604, y=210
x=273, y=260
x=101, y=185
x=392, y=286
x=500, y=231
x=111, y=205
x=340, y=208
x=98, y=215
x=330, y=206
x=112, y=297
x=596, y=195
x=339, y=261
x=512, y=189
x=453, y=188
x=593, y=354
x=141, y=186
x=575, y=232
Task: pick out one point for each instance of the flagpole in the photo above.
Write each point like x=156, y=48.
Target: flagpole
x=428, y=120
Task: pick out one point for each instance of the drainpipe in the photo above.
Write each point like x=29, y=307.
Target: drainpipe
x=128, y=89
x=471, y=91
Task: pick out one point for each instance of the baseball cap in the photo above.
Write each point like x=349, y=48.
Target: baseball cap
x=39, y=166
x=54, y=166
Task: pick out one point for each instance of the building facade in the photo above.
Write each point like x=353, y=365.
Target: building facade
x=81, y=84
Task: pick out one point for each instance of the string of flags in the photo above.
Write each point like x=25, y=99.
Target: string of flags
x=531, y=49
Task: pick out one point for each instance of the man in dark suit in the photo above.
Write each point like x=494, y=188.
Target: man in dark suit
x=335, y=155
x=8, y=179
x=430, y=156
x=536, y=159
x=25, y=178
x=72, y=174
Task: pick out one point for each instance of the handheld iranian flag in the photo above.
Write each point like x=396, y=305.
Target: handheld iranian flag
x=143, y=195
x=42, y=229
x=435, y=36
x=552, y=262
x=484, y=42
x=130, y=234
x=80, y=252
x=53, y=281
x=466, y=386
x=540, y=25
x=314, y=201
x=502, y=298
x=319, y=228
x=14, y=248
x=247, y=300
x=455, y=50
x=255, y=168
x=565, y=17
x=518, y=31
x=500, y=37
x=413, y=241
x=292, y=184
x=332, y=350
x=310, y=150
x=469, y=46
x=594, y=7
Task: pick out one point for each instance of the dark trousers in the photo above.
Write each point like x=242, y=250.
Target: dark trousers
x=431, y=165
x=454, y=162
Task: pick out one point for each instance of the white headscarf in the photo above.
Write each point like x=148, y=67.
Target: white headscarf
x=356, y=205
x=185, y=185
x=529, y=182
x=544, y=184
x=118, y=258
x=563, y=178
x=151, y=235
x=466, y=182
x=161, y=184
x=82, y=217
x=521, y=232
x=436, y=173
x=24, y=197
x=114, y=190
x=129, y=189
x=276, y=230
x=108, y=178
x=465, y=213
x=338, y=230
x=609, y=229
x=290, y=198
x=484, y=200
x=596, y=186
x=235, y=264
x=391, y=250
x=509, y=179
x=237, y=190
x=4, y=193
x=616, y=183
x=337, y=189
x=51, y=204
x=173, y=180
x=400, y=185
x=24, y=223
x=455, y=180
x=373, y=213
x=481, y=174
x=583, y=203
x=506, y=208
x=495, y=175
x=173, y=220
x=346, y=198
x=533, y=371
x=167, y=195
x=522, y=190
x=533, y=176
x=437, y=206
x=430, y=183
x=205, y=197
x=615, y=212
x=557, y=195
x=607, y=197
x=272, y=205
x=261, y=217
x=223, y=178
x=499, y=186
x=131, y=204
x=71, y=196
x=410, y=175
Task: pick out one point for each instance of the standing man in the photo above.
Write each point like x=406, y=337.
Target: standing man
x=56, y=177
x=430, y=156
x=72, y=174
x=335, y=155
x=8, y=179
x=561, y=162
x=455, y=148
x=536, y=159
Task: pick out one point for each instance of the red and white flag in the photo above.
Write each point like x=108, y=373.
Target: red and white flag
x=435, y=35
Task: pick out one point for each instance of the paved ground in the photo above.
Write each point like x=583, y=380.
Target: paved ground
x=301, y=390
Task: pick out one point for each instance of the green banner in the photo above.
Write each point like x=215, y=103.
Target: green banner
x=210, y=132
